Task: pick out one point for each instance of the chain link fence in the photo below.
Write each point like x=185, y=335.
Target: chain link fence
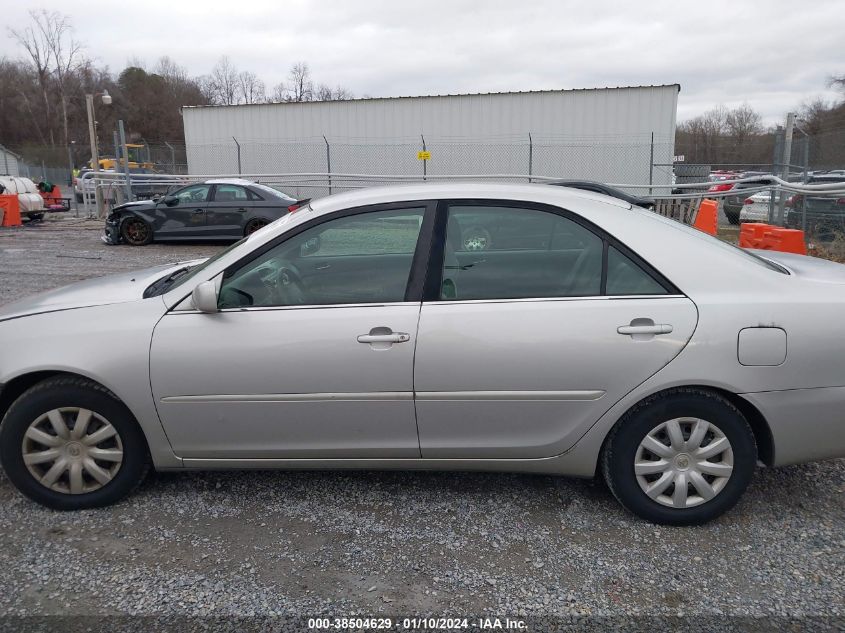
x=604, y=159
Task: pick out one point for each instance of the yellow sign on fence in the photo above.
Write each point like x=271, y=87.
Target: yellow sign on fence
x=424, y=155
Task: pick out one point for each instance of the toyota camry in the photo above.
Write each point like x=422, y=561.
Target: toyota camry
x=583, y=337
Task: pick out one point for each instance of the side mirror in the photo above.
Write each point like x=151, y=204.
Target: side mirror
x=205, y=296
x=171, y=201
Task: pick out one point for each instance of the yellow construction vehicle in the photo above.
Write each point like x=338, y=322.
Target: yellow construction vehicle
x=136, y=159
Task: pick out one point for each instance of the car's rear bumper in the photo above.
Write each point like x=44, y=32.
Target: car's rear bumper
x=806, y=424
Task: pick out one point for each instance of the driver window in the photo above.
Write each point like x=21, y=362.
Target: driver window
x=363, y=258
x=196, y=193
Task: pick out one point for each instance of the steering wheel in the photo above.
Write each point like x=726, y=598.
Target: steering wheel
x=286, y=285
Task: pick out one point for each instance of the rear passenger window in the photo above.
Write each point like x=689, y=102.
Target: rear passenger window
x=512, y=253
x=624, y=277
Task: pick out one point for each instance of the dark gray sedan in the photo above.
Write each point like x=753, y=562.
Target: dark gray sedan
x=222, y=209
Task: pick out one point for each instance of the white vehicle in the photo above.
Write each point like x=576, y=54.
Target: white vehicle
x=32, y=204
x=756, y=208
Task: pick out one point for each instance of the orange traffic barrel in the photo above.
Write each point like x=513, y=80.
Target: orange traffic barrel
x=707, y=218
x=11, y=208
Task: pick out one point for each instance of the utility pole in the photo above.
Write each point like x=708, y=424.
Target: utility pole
x=787, y=156
x=95, y=155
x=125, y=153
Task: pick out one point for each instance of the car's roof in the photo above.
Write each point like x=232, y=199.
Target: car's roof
x=550, y=194
x=229, y=181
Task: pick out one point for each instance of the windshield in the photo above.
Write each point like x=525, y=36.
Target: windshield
x=180, y=277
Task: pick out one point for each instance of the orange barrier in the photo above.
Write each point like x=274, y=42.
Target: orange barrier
x=784, y=240
x=772, y=238
x=751, y=234
x=11, y=207
x=707, y=218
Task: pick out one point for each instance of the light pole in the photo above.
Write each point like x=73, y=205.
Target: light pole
x=95, y=155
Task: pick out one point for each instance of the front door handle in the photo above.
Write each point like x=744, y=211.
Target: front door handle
x=383, y=338
x=199, y=210
x=643, y=329
x=660, y=328
x=396, y=337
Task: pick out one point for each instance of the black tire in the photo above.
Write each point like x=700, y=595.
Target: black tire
x=69, y=391
x=253, y=225
x=621, y=447
x=136, y=232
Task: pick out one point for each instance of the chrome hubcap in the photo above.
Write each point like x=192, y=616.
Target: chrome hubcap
x=72, y=450
x=683, y=462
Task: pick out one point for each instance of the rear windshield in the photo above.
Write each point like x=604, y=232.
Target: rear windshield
x=276, y=193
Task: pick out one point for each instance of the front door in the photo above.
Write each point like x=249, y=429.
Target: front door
x=311, y=354
x=185, y=218
x=540, y=326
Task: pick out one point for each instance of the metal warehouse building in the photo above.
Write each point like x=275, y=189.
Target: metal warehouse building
x=8, y=162
x=619, y=135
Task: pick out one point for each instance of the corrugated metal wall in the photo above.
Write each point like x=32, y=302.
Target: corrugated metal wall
x=8, y=163
x=603, y=134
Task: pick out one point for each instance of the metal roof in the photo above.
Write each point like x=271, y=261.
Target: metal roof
x=458, y=94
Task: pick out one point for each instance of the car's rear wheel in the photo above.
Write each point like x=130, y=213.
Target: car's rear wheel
x=69, y=444
x=253, y=225
x=136, y=232
x=680, y=458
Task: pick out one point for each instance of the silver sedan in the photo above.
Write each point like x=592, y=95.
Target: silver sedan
x=462, y=326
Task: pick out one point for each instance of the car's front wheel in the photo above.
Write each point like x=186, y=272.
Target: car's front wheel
x=683, y=457
x=136, y=232
x=69, y=444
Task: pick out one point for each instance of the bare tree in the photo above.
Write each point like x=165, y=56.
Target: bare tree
x=300, y=86
x=280, y=93
x=342, y=94
x=224, y=82
x=37, y=47
x=170, y=70
x=325, y=93
x=743, y=123
x=250, y=87
x=66, y=53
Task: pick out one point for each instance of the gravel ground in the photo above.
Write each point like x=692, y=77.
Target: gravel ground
x=294, y=543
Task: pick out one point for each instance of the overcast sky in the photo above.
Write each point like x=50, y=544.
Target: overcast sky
x=773, y=54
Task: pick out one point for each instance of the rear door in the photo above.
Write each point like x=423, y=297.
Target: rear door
x=227, y=210
x=530, y=332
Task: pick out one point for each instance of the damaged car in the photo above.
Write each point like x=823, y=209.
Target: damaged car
x=220, y=209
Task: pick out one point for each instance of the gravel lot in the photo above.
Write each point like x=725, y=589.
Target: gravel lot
x=268, y=543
